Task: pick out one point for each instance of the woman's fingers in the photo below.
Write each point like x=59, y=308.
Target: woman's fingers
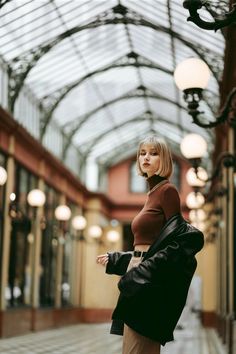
x=102, y=259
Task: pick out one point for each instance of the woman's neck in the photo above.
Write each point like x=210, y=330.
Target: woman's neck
x=153, y=180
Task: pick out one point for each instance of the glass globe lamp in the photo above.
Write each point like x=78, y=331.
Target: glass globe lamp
x=197, y=215
x=36, y=198
x=95, y=231
x=79, y=222
x=193, y=146
x=192, y=73
x=113, y=236
x=3, y=176
x=62, y=212
x=198, y=180
x=195, y=200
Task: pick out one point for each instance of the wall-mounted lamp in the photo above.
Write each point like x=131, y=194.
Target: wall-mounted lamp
x=3, y=176
x=195, y=200
x=36, y=198
x=197, y=180
x=95, y=232
x=79, y=223
x=62, y=212
x=194, y=147
x=113, y=236
x=196, y=215
x=220, y=21
x=192, y=76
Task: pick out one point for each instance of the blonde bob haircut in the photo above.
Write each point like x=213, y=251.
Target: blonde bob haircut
x=166, y=163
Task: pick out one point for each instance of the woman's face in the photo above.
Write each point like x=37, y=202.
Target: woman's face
x=149, y=160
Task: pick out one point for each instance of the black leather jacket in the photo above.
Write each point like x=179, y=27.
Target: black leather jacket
x=154, y=293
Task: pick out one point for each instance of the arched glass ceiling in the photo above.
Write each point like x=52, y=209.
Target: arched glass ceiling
x=103, y=70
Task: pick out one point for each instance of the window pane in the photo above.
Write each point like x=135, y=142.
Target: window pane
x=2, y=198
x=18, y=292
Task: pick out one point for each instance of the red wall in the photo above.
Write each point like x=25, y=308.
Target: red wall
x=118, y=185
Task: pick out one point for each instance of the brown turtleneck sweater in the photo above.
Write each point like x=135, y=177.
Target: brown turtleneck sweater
x=161, y=203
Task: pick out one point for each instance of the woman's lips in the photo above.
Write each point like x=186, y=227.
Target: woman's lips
x=146, y=164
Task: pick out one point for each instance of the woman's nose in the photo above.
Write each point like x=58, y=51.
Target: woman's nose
x=146, y=157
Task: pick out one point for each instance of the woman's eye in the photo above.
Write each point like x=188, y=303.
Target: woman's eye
x=153, y=153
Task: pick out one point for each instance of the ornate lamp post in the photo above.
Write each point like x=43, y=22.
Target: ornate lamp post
x=62, y=214
x=36, y=199
x=79, y=223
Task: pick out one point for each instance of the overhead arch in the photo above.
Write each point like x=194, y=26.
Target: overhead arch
x=117, y=154
x=20, y=66
x=146, y=115
x=139, y=92
x=130, y=59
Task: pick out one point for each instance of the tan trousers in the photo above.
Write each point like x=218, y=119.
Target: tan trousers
x=133, y=342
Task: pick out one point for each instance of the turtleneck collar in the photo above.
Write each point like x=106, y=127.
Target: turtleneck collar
x=153, y=180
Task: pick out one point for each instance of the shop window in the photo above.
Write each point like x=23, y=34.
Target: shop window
x=2, y=205
x=18, y=292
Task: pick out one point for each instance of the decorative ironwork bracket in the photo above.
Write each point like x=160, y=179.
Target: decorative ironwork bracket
x=228, y=112
x=221, y=21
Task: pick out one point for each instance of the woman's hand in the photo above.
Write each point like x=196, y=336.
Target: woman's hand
x=102, y=259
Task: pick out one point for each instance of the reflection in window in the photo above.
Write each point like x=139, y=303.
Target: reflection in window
x=138, y=184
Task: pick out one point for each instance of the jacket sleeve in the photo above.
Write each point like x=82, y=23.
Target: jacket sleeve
x=118, y=262
x=175, y=253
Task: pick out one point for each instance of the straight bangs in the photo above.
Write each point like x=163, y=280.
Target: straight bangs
x=166, y=162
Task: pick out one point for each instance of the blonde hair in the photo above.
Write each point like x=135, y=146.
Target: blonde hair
x=166, y=163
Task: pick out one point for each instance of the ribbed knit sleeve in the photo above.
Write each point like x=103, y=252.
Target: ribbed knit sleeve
x=170, y=201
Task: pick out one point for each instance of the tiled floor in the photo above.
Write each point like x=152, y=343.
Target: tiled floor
x=95, y=339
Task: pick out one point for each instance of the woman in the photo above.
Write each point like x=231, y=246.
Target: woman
x=156, y=276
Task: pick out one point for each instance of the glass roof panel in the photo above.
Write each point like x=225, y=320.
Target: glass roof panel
x=23, y=34
x=148, y=42
x=121, y=112
x=150, y=11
